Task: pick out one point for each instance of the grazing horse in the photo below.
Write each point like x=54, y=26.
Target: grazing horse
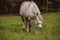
x=29, y=10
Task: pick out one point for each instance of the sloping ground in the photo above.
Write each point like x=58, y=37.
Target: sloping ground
x=11, y=28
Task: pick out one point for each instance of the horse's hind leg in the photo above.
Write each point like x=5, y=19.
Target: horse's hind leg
x=28, y=20
x=23, y=20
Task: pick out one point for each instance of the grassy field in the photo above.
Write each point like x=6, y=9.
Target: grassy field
x=11, y=28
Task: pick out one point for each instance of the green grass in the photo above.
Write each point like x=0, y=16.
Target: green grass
x=11, y=28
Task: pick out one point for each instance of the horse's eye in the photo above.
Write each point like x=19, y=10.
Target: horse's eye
x=37, y=13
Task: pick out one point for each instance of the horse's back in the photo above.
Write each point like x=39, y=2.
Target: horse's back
x=24, y=8
x=28, y=8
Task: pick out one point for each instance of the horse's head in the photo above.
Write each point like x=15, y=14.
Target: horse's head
x=39, y=21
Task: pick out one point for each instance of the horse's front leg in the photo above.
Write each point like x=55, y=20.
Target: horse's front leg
x=36, y=28
x=29, y=23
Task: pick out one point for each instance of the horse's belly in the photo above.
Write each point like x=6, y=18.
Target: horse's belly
x=28, y=14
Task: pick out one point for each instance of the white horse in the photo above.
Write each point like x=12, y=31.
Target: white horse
x=29, y=10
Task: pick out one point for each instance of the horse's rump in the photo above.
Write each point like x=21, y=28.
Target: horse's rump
x=29, y=8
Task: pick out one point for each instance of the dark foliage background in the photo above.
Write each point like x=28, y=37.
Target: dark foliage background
x=13, y=6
